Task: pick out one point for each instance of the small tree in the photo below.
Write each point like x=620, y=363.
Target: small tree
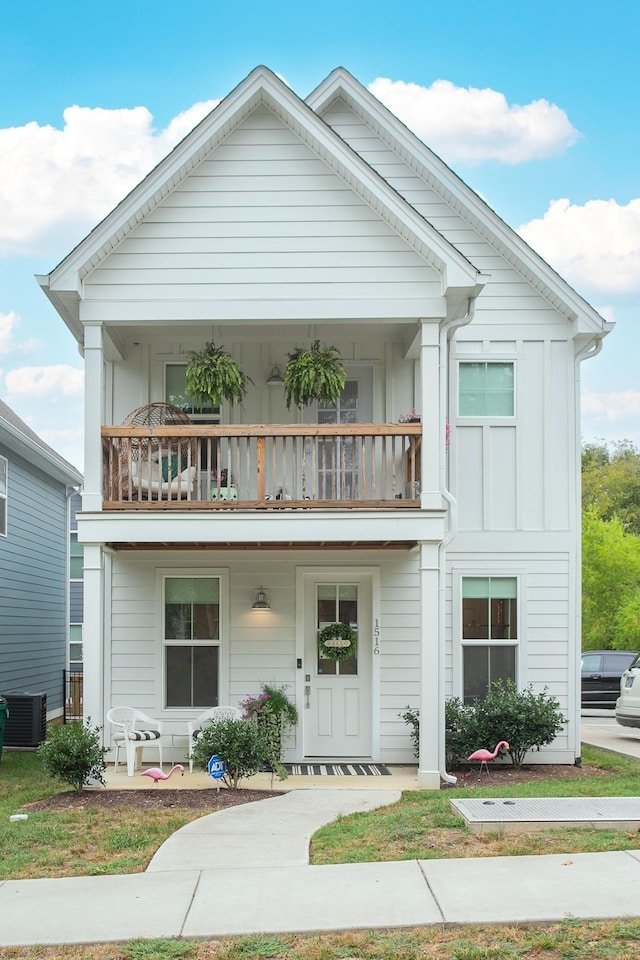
x=524, y=718
x=241, y=744
x=74, y=754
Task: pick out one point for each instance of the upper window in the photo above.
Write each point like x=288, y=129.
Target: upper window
x=489, y=633
x=4, y=473
x=486, y=389
x=175, y=393
x=76, y=558
x=192, y=641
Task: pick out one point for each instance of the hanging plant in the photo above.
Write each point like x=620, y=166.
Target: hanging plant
x=337, y=641
x=212, y=375
x=315, y=373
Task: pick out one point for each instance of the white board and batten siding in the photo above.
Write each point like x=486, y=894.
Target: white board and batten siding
x=262, y=221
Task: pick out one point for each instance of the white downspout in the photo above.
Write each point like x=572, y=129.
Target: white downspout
x=445, y=334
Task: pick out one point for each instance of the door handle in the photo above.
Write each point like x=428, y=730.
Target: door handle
x=307, y=697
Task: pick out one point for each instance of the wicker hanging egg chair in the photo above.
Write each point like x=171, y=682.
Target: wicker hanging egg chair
x=147, y=450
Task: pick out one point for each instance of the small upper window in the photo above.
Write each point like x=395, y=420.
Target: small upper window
x=76, y=559
x=4, y=472
x=486, y=389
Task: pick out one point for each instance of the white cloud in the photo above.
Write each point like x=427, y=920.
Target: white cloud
x=612, y=416
x=52, y=382
x=9, y=324
x=596, y=245
x=56, y=184
x=469, y=125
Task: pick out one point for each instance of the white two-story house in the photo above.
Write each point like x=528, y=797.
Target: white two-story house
x=451, y=546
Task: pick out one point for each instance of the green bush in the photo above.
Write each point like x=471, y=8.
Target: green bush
x=460, y=736
x=524, y=719
x=241, y=744
x=411, y=716
x=74, y=754
x=527, y=720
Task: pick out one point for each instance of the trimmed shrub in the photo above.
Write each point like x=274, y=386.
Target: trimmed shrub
x=241, y=744
x=527, y=720
x=74, y=754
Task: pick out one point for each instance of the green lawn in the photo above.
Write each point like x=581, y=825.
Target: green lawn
x=420, y=825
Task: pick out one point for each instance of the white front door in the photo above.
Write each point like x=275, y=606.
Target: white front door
x=337, y=693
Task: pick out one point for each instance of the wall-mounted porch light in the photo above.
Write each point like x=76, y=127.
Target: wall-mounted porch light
x=275, y=377
x=261, y=602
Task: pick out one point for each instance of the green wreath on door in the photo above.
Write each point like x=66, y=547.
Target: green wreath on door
x=337, y=631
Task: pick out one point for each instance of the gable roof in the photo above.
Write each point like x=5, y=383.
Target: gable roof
x=17, y=436
x=460, y=197
x=461, y=279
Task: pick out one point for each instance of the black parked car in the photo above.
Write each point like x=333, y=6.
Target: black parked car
x=601, y=671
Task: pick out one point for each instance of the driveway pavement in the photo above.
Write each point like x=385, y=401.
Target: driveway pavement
x=599, y=728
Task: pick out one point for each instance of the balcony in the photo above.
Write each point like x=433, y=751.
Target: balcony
x=262, y=467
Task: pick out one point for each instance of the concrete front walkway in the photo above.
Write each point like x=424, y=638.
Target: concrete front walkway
x=245, y=869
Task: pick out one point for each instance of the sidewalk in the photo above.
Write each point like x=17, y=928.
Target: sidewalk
x=245, y=869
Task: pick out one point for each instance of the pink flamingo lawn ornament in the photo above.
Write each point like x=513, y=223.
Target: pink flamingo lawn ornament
x=485, y=755
x=157, y=774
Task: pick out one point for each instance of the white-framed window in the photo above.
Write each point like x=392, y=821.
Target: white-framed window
x=489, y=633
x=76, y=558
x=175, y=392
x=191, y=641
x=76, y=654
x=4, y=481
x=486, y=388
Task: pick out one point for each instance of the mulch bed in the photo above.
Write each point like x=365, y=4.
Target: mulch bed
x=206, y=800
x=209, y=800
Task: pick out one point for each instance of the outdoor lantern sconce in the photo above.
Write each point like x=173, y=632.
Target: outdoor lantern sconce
x=275, y=377
x=261, y=602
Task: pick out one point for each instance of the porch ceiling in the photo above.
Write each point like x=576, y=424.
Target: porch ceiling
x=290, y=545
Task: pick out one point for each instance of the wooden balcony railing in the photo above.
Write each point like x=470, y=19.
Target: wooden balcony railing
x=261, y=466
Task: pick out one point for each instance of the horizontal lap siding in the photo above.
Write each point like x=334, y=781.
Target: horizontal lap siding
x=263, y=218
x=33, y=584
x=400, y=656
x=263, y=651
x=506, y=289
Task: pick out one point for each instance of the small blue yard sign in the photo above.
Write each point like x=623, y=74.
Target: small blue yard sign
x=216, y=767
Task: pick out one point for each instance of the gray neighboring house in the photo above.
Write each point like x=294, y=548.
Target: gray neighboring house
x=36, y=484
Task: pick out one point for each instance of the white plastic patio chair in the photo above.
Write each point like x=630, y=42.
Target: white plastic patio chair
x=135, y=731
x=209, y=716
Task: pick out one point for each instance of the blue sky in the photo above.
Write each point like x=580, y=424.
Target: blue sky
x=536, y=105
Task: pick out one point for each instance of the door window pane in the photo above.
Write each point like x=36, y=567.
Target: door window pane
x=337, y=603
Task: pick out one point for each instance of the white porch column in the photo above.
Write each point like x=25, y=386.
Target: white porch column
x=93, y=415
x=93, y=634
x=430, y=667
x=430, y=498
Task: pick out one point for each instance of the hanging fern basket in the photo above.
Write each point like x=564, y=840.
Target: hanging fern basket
x=337, y=641
x=312, y=374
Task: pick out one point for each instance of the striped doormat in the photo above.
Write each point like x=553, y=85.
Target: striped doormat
x=337, y=770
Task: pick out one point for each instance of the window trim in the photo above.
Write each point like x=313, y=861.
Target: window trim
x=4, y=495
x=222, y=574
x=492, y=573
x=467, y=419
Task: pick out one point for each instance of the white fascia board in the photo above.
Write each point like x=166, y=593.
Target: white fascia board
x=262, y=86
x=462, y=199
x=43, y=458
x=257, y=527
